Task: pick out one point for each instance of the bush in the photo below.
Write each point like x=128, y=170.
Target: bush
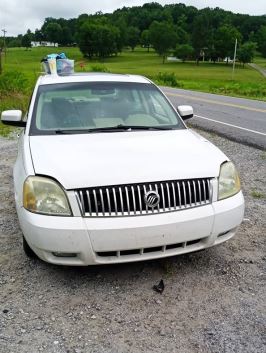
x=13, y=81
x=168, y=79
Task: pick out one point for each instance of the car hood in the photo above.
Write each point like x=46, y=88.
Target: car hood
x=100, y=159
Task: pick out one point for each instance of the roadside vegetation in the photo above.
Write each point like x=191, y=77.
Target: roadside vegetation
x=21, y=68
x=138, y=40
x=14, y=92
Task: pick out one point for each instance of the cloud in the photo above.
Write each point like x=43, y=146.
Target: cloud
x=16, y=16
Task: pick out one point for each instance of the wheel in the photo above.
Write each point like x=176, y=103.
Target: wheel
x=28, y=251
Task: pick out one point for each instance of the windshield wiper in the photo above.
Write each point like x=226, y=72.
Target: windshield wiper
x=70, y=131
x=121, y=127
x=116, y=128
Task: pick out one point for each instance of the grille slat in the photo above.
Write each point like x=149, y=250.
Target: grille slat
x=129, y=200
x=127, y=197
x=121, y=201
x=115, y=202
x=195, y=192
x=95, y=202
x=108, y=201
x=140, y=201
x=200, y=199
x=210, y=190
x=89, y=200
x=82, y=199
x=184, y=193
x=189, y=193
x=204, y=190
x=163, y=199
x=179, y=194
x=168, y=195
x=133, y=198
x=173, y=192
x=102, y=202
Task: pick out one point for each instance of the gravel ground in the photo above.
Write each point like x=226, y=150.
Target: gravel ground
x=214, y=301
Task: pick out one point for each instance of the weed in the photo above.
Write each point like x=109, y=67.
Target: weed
x=5, y=130
x=263, y=155
x=257, y=194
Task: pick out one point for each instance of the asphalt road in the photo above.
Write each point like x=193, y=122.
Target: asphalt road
x=241, y=120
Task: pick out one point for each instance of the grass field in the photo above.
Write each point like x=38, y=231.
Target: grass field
x=260, y=61
x=207, y=77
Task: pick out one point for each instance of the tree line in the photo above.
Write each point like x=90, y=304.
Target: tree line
x=183, y=30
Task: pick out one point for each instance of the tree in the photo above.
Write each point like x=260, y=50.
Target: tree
x=200, y=35
x=38, y=35
x=261, y=39
x=122, y=26
x=184, y=51
x=107, y=38
x=246, y=52
x=224, y=41
x=182, y=36
x=53, y=32
x=66, y=38
x=85, y=38
x=145, y=39
x=26, y=40
x=132, y=37
x=162, y=37
x=95, y=39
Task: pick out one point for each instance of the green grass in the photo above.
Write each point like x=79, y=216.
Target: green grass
x=259, y=60
x=207, y=77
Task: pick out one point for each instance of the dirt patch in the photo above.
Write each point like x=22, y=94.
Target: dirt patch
x=214, y=301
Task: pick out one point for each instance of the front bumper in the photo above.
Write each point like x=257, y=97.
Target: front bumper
x=92, y=241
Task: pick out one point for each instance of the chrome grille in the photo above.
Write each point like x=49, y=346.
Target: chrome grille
x=128, y=200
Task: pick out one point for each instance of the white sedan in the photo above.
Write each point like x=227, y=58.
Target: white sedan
x=108, y=172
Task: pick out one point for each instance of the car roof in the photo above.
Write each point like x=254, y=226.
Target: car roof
x=91, y=77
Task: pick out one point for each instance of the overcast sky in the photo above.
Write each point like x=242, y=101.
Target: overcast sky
x=16, y=16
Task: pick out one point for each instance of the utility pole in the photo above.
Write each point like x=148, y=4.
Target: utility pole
x=4, y=31
x=0, y=61
x=234, y=62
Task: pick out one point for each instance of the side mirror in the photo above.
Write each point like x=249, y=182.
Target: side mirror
x=12, y=117
x=185, y=111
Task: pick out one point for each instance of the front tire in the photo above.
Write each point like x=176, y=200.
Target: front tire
x=28, y=251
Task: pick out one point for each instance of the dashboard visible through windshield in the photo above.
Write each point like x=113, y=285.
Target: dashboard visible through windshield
x=101, y=106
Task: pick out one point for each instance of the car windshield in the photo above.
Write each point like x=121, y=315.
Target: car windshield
x=101, y=106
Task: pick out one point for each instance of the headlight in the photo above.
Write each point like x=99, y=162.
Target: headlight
x=229, y=182
x=45, y=196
